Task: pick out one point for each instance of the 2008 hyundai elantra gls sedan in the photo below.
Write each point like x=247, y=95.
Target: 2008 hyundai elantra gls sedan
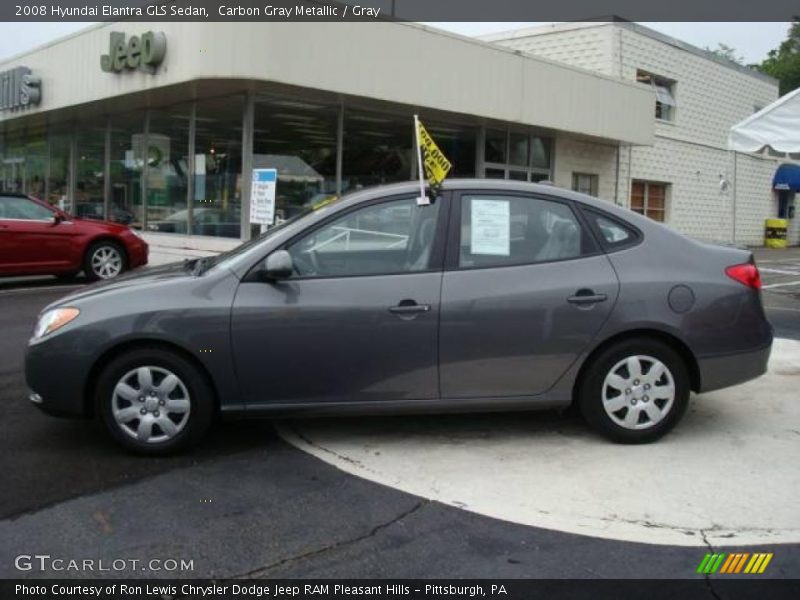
x=496, y=296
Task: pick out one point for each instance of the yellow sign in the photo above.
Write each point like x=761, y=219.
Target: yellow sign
x=436, y=164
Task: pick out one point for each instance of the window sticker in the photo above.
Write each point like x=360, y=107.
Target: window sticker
x=490, y=227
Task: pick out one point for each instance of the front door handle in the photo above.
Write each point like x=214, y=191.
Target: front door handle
x=585, y=296
x=409, y=308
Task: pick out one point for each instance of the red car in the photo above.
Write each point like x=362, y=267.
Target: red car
x=38, y=239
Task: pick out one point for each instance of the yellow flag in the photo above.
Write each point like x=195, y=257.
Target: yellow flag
x=435, y=162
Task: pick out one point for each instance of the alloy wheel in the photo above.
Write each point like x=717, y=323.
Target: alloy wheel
x=106, y=262
x=638, y=392
x=151, y=404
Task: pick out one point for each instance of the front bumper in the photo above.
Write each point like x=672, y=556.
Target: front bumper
x=138, y=252
x=719, y=372
x=56, y=377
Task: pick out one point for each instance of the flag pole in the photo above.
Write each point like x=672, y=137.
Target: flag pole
x=423, y=199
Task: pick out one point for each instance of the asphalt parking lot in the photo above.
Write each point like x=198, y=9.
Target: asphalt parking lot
x=249, y=504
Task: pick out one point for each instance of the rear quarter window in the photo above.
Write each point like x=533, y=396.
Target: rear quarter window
x=612, y=233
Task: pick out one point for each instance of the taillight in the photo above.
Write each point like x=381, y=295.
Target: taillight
x=746, y=274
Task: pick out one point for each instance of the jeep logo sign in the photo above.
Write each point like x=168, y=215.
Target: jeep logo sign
x=19, y=88
x=144, y=53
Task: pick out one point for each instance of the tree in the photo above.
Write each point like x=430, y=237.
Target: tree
x=783, y=63
x=726, y=52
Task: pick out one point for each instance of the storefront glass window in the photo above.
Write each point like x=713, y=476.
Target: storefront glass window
x=540, y=152
x=458, y=144
x=298, y=139
x=58, y=175
x=13, y=165
x=217, y=198
x=528, y=156
x=127, y=160
x=518, y=149
x=377, y=149
x=89, y=168
x=35, y=162
x=167, y=157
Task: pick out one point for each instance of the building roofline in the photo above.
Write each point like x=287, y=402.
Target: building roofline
x=477, y=41
x=631, y=26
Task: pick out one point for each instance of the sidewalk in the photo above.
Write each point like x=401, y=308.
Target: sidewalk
x=791, y=254
x=175, y=248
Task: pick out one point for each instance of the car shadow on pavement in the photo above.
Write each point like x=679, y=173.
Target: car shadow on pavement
x=61, y=459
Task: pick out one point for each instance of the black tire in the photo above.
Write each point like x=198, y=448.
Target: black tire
x=194, y=381
x=591, y=388
x=102, y=245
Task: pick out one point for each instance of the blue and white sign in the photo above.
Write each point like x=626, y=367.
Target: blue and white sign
x=262, y=196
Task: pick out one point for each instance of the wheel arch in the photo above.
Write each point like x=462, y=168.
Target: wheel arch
x=671, y=340
x=134, y=344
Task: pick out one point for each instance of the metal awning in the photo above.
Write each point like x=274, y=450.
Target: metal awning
x=787, y=177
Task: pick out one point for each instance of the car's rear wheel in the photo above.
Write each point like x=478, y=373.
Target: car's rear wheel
x=154, y=401
x=104, y=260
x=635, y=391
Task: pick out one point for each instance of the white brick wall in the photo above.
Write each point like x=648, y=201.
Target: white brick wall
x=590, y=47
x=579, y=156
x=711, y=97
x=690, y=153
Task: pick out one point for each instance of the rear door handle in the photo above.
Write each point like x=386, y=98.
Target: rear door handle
x=587, y=297
x=409, y=308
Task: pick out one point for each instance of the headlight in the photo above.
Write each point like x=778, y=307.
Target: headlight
x=52, y=320
x=136, y=233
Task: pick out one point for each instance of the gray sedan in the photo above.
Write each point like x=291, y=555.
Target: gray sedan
x=496, y=296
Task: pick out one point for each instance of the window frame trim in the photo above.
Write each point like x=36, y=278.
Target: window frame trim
x=452, y=252
x=594, y=179
x=646, y=199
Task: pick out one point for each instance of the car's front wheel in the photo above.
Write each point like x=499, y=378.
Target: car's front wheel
x=635, y=391
x=104, y=260
x=154, y=401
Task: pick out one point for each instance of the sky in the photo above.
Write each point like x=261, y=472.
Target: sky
x=751, y=41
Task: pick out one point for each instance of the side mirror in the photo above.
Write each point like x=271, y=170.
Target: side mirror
x=278, y=265
x=58, y=218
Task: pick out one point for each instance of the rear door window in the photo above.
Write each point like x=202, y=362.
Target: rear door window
x=500, y=230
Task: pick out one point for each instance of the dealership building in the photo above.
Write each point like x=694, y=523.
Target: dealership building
x=160, y=125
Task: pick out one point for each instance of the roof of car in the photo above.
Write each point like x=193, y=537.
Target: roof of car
x=505, y=185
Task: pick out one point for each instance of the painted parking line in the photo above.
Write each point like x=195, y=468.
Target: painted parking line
x=784, y=308
x=777, y=285
x=779, y=271
x=736, y=449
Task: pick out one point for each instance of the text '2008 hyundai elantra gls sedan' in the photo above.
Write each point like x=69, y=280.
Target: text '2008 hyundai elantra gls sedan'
x=496, y=296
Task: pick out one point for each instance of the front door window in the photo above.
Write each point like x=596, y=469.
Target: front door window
x=390, y=237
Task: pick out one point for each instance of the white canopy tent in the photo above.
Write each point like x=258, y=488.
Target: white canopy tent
x=776, y=127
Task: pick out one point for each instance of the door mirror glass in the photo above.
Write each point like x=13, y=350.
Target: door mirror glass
x=278, y=265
